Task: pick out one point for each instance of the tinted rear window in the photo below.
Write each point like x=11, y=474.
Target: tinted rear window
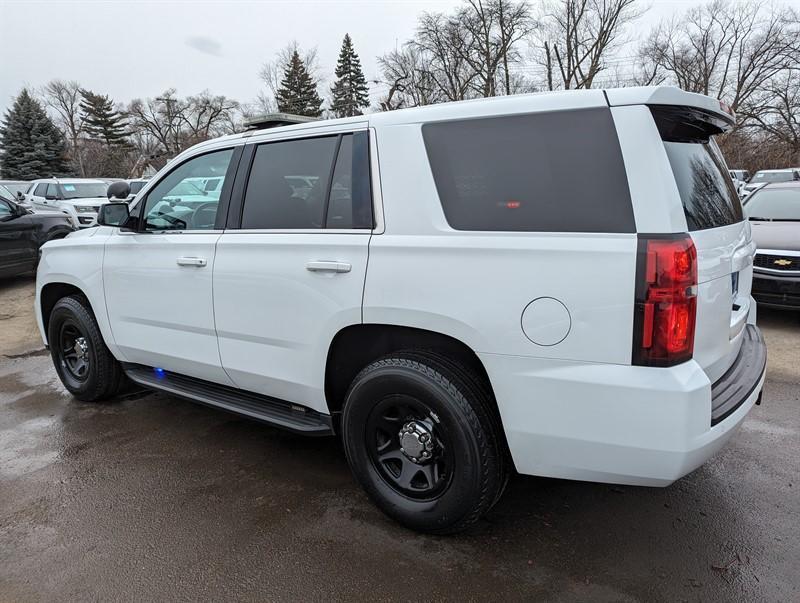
x=547, y=172
x=707, y=193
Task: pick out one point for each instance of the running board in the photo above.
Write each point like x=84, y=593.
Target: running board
x=278, y=413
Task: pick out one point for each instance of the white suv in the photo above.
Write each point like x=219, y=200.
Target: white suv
x=557, y=284
x=79, y=198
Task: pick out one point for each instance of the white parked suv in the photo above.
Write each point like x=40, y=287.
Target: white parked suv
x=442, y=292
x=79, y=198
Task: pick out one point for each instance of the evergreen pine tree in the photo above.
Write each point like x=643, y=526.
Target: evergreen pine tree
x=298, y=91
x=102, y=121
x=32, y=146
x=349, y=92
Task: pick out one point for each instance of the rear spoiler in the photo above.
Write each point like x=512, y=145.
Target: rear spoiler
x=715, y=111
x=687, y=124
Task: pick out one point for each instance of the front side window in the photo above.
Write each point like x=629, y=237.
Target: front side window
x=543, y=172
x=181, y=202
x=5, y=209
x=310, y=183
x=52, y=191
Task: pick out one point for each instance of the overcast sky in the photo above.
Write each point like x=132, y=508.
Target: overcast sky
x=132, y=49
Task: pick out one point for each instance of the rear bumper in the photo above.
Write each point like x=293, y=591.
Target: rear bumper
x=618, y=423
x=776, y=290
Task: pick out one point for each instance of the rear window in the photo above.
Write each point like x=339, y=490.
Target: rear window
x=707, y=192
x=547, y=172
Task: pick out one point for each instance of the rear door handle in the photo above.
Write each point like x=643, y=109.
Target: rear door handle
x=328, y=266
x=199, y=262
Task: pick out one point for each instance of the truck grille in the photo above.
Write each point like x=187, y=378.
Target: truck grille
x=777, y=262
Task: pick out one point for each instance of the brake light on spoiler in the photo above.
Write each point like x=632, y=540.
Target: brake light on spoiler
x=666, y=300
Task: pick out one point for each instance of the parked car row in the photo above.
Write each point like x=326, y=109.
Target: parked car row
x=745, y=184
x=78, y=198
x=23, y=232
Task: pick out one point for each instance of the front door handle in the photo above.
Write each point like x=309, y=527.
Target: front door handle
x=199, y=262
x=328, y=266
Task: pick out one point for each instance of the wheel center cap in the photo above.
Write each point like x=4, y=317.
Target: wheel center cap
x=416, y=441
x=81, y=348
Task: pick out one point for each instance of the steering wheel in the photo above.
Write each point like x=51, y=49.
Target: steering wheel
x=201, y=208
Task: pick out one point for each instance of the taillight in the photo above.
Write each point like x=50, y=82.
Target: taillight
x=666, y=300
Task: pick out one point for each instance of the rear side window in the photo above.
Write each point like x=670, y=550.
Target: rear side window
x=41, y=190
x=549, y=172
x=707, y=192
x=310, y=183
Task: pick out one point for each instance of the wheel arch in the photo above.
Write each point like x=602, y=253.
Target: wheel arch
x=49, y=296
x=50, y=292
x=355, y=346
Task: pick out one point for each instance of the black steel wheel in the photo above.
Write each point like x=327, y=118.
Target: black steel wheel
x=409, y=447
x=83, y=362
x=74, y=348
x=420, y=439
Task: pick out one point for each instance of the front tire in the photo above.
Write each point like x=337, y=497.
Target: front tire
x=420, y=440
x=80, y=356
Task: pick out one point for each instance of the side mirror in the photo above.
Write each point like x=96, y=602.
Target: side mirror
x=118, y=190
x=20, y=196
x=113, y=214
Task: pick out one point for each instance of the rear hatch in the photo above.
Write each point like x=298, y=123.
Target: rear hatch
x=721, y=235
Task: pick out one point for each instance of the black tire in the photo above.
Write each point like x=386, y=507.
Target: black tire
x=484, y=396
x=417, y=392
x=93, y=376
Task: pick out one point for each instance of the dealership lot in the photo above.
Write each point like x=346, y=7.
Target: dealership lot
x=158, y=498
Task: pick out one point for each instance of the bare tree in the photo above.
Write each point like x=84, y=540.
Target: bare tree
x=206, y=116
x=172, y=124
x=492, y=30
x=776, y=114
x=160, y=118
x=730, y=51
x=408, y=78
x=439, y=42
x=577, y=37
x=64, y=98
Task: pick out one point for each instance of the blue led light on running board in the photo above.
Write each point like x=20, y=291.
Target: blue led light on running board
x=159, y=372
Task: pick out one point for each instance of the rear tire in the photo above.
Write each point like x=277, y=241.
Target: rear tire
x=80, y=356
x=422, y=444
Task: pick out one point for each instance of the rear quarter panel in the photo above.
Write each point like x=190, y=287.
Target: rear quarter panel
x=474, y=286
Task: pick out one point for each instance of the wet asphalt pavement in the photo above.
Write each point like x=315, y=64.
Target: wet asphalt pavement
x=153, y=498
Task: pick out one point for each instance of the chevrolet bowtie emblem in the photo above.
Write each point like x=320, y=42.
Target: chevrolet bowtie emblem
x=782, y=262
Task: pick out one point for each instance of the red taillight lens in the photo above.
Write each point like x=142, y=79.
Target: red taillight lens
x=666, y=300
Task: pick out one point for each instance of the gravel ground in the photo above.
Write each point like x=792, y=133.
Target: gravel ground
x=152, y=498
